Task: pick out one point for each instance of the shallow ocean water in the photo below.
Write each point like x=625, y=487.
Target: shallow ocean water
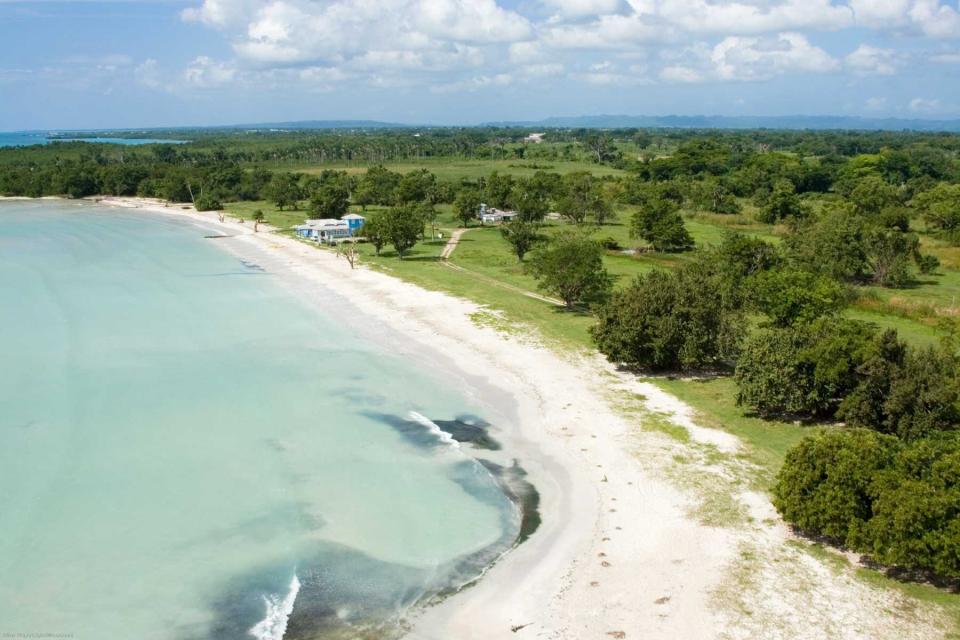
x=187, y=447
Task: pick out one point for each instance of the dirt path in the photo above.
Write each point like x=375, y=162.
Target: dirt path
x=451, y=246
x=452, y=243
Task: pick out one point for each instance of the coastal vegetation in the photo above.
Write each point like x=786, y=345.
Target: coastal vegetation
x=806, y=281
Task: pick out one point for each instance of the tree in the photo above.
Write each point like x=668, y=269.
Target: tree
x=467, y=205
x=257, y=219
x=206, y=202
x=530, y=201
x=903, y=391
x=404, y=227
x=940, y=207
x=803, y=370
x=833, y=244
x=283, y=190
x=889, y=253
x=712, y=195
x=873, y=194
x=570, y=266
x=669, y=320
x=782, y=203
x=377, y=186
x=416, y=186
x=824, y=486
x=736, y=261
x=348, y=251
x=376, y=230
x=498, y=190
x=330, y=200
x=521, y=236
x=601, y=146
x=584, y=196
x=658, y=222
x=788, y=296
x=916, y=509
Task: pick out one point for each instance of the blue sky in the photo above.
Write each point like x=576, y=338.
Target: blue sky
x=203, y=62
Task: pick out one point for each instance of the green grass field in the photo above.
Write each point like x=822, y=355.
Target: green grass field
x=455, y=170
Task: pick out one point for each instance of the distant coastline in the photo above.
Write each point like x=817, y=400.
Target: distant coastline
x=148, y=135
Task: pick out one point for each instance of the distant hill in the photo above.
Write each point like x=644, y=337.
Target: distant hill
x=319, y=124
x=737, y=122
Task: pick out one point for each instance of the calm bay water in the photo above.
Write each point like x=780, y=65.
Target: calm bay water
x=27, y=138
x=188, y=451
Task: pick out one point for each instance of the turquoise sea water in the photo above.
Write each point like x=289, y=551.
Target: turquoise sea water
x=188, y=451
x=26, y=138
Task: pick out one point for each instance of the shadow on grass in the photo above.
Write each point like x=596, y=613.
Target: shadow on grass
x=900, y=574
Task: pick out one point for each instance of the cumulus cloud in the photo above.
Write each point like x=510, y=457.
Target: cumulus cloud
x=205, y=72
x=867, y=60
x=739, y=58
x=577, y=8
x=752, y=17
x=469, y=45
x=930, y=17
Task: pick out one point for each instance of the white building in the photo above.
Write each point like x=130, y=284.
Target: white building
x=491, y=214
x=325, y=230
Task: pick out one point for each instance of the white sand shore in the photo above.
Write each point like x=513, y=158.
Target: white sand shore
x=643, y=536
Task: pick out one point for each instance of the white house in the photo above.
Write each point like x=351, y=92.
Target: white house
x=325, y=230
x=491, y=214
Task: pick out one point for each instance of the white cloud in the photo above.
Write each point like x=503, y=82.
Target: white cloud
x=541, y=70
x=525, y=52
x=929, y=17
x=739, y=58
x=474, y=84
x=205, y=72
x=754, y=17
x=302, y=31
x=221, y=13
x=680, y=74
x=577, y=8
x=925, y=106
x=867, y=60
x=148, y=74
x=876, y=104
x=468, y=45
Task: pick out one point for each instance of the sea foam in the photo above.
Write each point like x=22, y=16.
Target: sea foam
x=274, y=625
x=441, y=435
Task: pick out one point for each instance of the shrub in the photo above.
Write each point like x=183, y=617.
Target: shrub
x=916, y=509
x=208, y=203
x=804, y=370
x=788, y=296
x=570, y=267
x=824, y=484
x=669, y=320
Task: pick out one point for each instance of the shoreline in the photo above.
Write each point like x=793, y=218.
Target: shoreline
x=624, y=549
x=582, y=571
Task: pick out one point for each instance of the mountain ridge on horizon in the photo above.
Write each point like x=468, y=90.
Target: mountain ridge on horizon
x=602, y=121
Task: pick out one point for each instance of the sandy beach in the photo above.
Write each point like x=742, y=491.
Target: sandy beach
x=643, y=535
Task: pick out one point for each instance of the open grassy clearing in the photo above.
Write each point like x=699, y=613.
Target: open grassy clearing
x=455, y=170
